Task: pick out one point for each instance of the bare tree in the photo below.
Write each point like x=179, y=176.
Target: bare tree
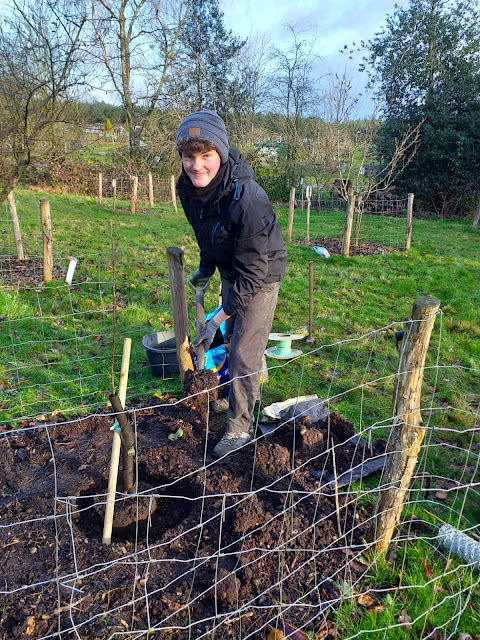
x=251, y=79
x=41, y=72
x=134, y=42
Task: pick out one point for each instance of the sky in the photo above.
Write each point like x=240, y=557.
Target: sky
x=337, y=24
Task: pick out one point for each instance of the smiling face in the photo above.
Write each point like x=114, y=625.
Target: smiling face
x=201, y=166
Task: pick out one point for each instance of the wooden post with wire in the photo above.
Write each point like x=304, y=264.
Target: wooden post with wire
x=47, y=240
x=116, y=447
x=408, y=234
x=100, y=189
x=347, y=227
x=407, y=431
x=173, y=193
x=12, y=207
x=134, y=194
x=310, y=339
x=291, y=209
x=150, y=189
x=178, y=294
x=308, y=194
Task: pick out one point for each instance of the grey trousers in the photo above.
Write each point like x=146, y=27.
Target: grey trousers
x=246, y=339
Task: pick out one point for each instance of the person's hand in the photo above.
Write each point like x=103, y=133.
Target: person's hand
x=207, y=334
x=199, y=279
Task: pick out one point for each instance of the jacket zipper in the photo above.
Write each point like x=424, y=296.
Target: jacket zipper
x=214, y=231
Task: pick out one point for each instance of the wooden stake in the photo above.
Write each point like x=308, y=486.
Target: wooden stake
x=16, y=226
x=408, y=234
x=291, y=209
x=310, y=339
x=347, y=227
x=150, y=189
x=337, y=503
x=47, y=240
x=407, y=430
x=134, y=194
x=179, y=307
x=476, y=218
x=100, y=189
x=116, y=447
x=114, y=186
x=174, y=194
x=309, y=197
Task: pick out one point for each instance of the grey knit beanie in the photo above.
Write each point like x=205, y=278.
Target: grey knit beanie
x=205, y=125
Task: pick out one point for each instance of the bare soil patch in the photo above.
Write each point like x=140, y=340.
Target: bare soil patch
x=277, y=533
x=23, y=273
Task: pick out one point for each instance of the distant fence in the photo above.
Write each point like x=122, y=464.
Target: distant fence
x=381, y=223
x=137, y=193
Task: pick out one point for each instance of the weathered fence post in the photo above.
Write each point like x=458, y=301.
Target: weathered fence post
x=114, y=187
x=347, y=227
x=47, y=240
x=16, y=226
x=173, y=193
x=134, y=194
x=308, y=193
x=291, y=209
x=100, y=189
x=408, y=234
x=150, y=189
x=476, y=218
x=310, y=339
x=407, y=430
x=179, y=307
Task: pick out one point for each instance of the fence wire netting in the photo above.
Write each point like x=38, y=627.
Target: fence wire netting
x=379, y=224
x=271, y=541
x=273, y=537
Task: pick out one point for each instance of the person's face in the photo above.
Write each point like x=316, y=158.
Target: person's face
x=201, y=166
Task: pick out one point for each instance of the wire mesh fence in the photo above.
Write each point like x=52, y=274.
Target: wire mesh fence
x=270, y=540
x=379, y=223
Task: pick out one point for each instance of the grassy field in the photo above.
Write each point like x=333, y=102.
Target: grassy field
x=61, y=351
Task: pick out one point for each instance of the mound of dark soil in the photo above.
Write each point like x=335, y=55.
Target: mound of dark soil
x=229, y=541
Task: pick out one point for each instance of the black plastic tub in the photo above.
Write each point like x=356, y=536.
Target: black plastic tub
x=161, y=351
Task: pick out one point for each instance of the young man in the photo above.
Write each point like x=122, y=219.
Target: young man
x=238, y=233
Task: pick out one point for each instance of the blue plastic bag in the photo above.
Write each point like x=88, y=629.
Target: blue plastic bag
x=216, y=359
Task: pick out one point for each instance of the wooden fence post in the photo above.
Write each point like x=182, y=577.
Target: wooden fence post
x=291, y=208
x=47, y=240
x=407, y=430
x=408, y=234
x=476, y=218
x=173, y=192
x=347, y=227
x=100, y=189
x=150, y=189
x=308, y=193
x=179, y=307
x=114, y=187
x=310, y=339
x=16, y=226
x=134, y=194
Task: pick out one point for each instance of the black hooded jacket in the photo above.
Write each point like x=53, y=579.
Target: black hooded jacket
x=237, y=232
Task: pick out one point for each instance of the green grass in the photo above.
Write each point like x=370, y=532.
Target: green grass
x=58, y=343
